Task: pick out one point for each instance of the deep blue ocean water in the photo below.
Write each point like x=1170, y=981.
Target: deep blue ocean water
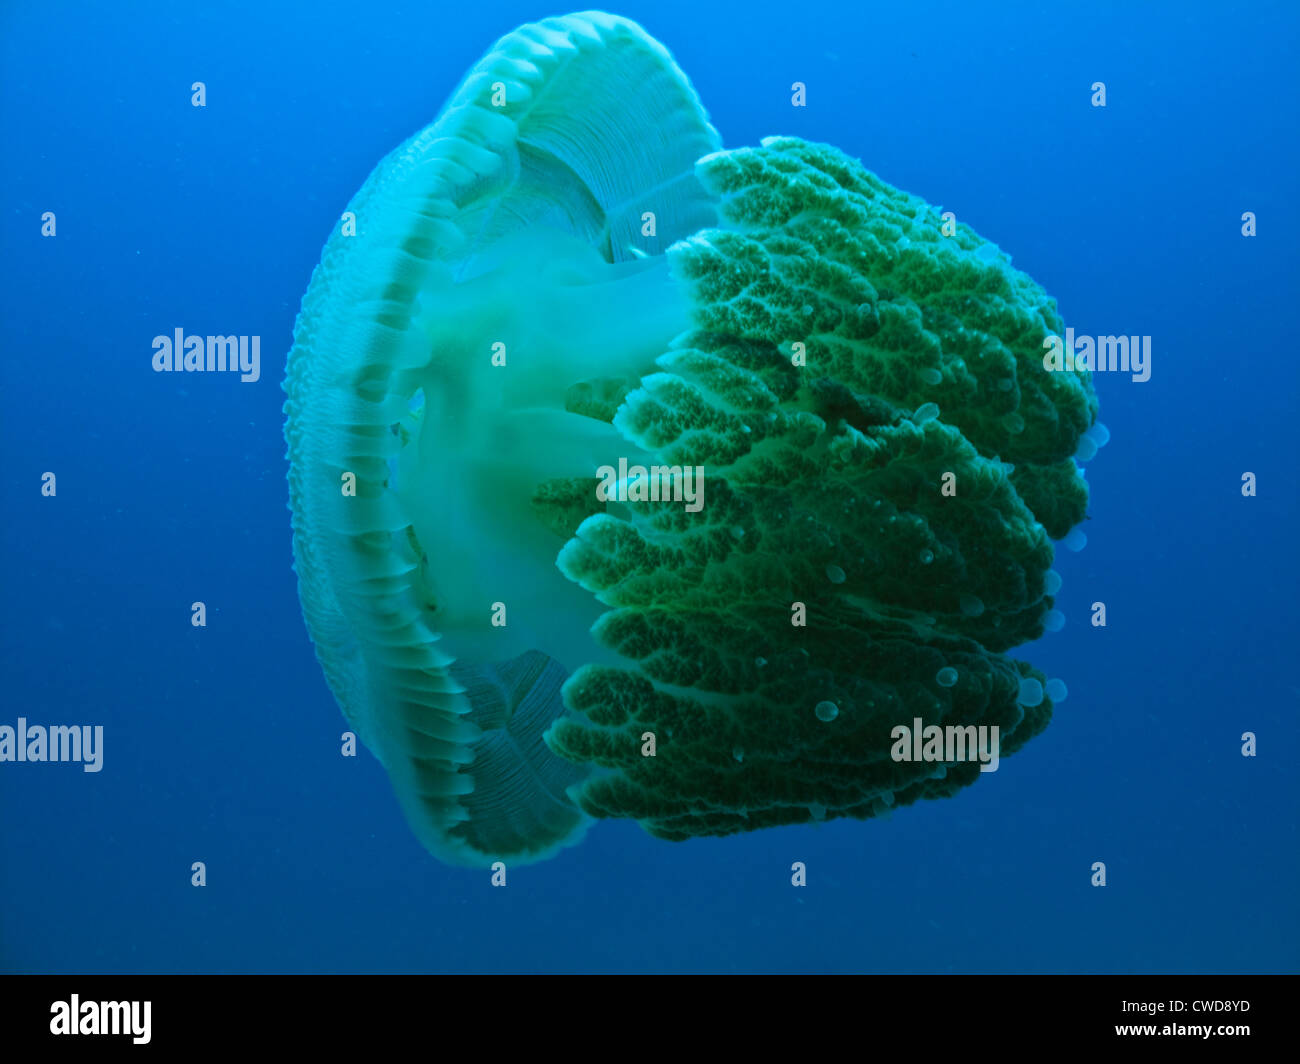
x=222, y=743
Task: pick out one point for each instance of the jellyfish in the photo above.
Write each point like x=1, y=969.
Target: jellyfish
x=566, y=272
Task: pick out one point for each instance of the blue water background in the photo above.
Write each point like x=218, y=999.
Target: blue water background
x=222, y=744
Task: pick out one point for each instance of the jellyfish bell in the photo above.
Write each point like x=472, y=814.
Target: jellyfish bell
x=510, y=227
